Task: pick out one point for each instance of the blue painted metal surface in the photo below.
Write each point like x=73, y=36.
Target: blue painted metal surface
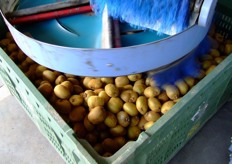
x=57, y=45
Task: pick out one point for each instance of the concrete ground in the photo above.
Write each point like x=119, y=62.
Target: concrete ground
x=22, y=143
x=211, y=144
x=20, y=140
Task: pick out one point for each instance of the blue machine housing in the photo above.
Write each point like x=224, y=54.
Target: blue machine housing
x=72, y=45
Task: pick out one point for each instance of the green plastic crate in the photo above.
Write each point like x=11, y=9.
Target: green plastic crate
x=223, y=18
x=156, y=145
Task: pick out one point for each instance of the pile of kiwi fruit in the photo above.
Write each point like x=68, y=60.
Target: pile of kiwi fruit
x=110, y=111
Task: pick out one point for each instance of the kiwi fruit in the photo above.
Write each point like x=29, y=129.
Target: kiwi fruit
x=151, y=91
x=142, y=122
x=63, y=106
x=148, y=81
x=49, y=76
x=94, y=101
x=147, y=125
x=114, y=104
x=109, y=145
x=86, y=80
x=133, y=132
x=152, y=116
x=91, y=138
x=123, y=118
x=172, y=91
x=182, y=86
x=60, y=79
x=39, y=71
x=53, y=98
x=112, y=90
x=142, y=104
x=190, y=81
x=77, y=89
x=210, y=69
x=110, y=120
x=104, y=134
x=218, y=60
x=201, y=74
x=98, y=148
x=140, y=81
x=87, y=94
x=12, y=47
x=121, y=81
x=62, y=92
x=163, y=97
x=134, y=121
x=73, y=80
x=79, y=130
x=77, y=114
x=45, y=89
x=4, y=42
x=95, y=84
x=214, y=52
x=154, y=104
x=228, y=48
x=97, y=91
x=129, y=96
x=117, y=131
x=130, y=108
x=126, y=87
x=88, y=125
x=139, y=88
x=97, y=115
x=68, y=85
x=167, y=106
x=107, y=80
x=134, y=77
x=76, y=100
x=21, y=56
x=104, y=95
x=121, y=141
x=14, y=56
x=206, y=64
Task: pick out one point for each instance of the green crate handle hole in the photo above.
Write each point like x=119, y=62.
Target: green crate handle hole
x=8, y=69
x=17, y=80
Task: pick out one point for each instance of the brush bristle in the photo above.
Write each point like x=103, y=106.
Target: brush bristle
x=190, y=66
x=147, y=13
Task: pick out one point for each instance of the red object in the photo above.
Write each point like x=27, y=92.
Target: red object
x=117, y=39
x=50, y=15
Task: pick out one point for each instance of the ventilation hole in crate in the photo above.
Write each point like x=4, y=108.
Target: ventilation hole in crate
x=1, y=60
x=49, y=119
x=37, y=105
x=27, y=92
x=17, y=80
x=61, y=135
x=68, y=159
x=52, y=137
x=8, y=69
x=75, y=157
